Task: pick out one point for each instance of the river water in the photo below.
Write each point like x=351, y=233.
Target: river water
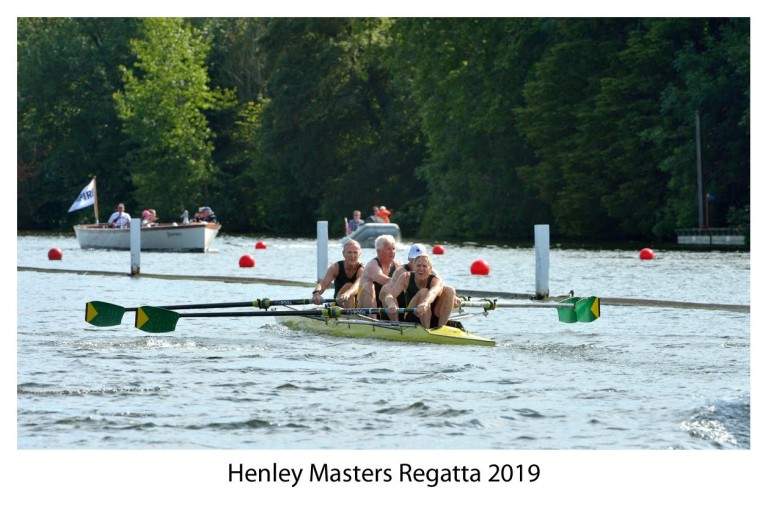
x=640, y=378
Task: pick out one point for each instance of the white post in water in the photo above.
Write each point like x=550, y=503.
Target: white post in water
x=135, y=247
x=322, y=249
x=541, y=241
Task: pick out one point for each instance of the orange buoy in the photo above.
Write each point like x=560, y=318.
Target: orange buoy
x=261, y=245
x=438, y=249
x=55, y=254
x=646, y=254
x=246, y=260
x=480, y=267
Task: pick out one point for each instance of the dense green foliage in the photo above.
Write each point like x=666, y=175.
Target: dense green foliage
x=472, y=129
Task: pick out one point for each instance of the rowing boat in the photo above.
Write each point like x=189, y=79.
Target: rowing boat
x=574, y=309
x=452, y=334
x=194, y=237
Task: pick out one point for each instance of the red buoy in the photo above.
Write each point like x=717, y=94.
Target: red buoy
x=55, y=254
x=646, y=254
x=480, y=267
x=438, y=249
x=261, y=245
x=246, y=260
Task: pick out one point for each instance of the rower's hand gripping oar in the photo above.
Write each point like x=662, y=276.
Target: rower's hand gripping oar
x=104, y=314
x=157, y=320
x=573, y=309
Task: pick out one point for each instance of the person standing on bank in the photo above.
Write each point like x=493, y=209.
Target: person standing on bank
x=424, y=291
x=345, y=275
x=119, y=219
x=378, y=271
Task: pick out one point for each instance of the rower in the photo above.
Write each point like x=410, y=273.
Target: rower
x=378, y=271
x=345, y=275
x=413, y=252
x=424, y=291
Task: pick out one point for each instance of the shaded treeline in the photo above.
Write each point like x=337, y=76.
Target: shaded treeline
x=472, y=129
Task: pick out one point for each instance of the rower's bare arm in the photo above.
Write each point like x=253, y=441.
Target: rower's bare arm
x=358, y=279
x=390, y=292
x=374, y=274
x=398, y=272
x=330, y=275
x=434, y=291
x=352, y=288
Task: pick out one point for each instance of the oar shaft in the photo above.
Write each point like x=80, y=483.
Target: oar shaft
x=213, y=305
x=543, y=305
x=573, y=309
x=335, y=312
x=489, y=304
x=258, y=303
x=153, y=319
x=203, y=314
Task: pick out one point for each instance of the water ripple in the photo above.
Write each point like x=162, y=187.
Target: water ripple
x=422, y=410
x=725, y=424
x=639, y=378
x=26, y=389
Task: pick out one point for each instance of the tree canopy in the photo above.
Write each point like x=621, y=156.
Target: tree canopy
x=467, y=129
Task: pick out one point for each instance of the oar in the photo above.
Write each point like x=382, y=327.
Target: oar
x=104, y=314
x=573, y=309
x=154, y=319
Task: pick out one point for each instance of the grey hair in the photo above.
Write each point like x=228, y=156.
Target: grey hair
x=348, y=242
x=381, y=240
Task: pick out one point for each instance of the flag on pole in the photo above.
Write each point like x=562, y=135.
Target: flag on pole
x=86, y=198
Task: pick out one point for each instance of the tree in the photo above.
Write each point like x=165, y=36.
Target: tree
x=713, y=77
x=163, y=107
x=67, y=127
x=331, y=130
x=466, y=77
x=561, y=121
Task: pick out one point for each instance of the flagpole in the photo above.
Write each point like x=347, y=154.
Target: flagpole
x=95, y=200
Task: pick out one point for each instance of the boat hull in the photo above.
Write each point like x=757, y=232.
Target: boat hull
x=381, y=330
x=367, y=233
x=196, y=237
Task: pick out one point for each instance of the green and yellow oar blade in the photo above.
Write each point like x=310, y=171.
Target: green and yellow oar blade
x=103, y=314
x=152, y=319
x=587, y=309
x=568, y=314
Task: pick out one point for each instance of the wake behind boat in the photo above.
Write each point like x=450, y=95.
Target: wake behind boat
x=193, y=237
